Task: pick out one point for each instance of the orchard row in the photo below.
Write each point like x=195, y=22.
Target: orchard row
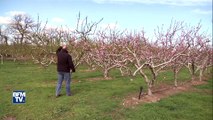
x=132, y=53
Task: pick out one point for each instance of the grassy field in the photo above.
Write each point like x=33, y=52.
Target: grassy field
x=94, y=99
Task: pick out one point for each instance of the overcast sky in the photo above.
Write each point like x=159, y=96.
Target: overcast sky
x=124, y=14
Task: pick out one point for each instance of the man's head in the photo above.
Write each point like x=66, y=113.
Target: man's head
x=64, y=46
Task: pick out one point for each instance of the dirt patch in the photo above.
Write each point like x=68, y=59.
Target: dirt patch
x=75, y=81
x=9, y=118
x=99, y=78
x=159, y=92
x=87, y=70
x=54, y=82
x=8, y=87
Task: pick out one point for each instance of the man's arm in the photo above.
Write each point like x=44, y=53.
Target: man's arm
x=71, y=65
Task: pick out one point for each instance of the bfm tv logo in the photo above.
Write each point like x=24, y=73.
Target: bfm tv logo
x=19, y=96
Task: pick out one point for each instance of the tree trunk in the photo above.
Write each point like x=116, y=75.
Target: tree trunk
x=154, y=75
x=193, y=77
x=2, y=59
x=149, y=91
x=193, y=70
x=106, y=73
x=193, y=67
x=175, y=77
x=201, y=74
x=121, y=71
x=93, y=67
x=148, y=82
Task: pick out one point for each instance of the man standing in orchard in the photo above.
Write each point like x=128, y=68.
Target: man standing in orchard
x=65, y=67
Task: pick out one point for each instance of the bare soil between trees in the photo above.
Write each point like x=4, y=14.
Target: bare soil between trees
x=160, y=92
x=99, y=79
x=9, y=118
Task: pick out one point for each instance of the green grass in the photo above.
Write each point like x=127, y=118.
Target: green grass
x=94, y=100
x=184, y=106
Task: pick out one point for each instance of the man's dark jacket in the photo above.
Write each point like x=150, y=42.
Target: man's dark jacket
x=65, y=62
